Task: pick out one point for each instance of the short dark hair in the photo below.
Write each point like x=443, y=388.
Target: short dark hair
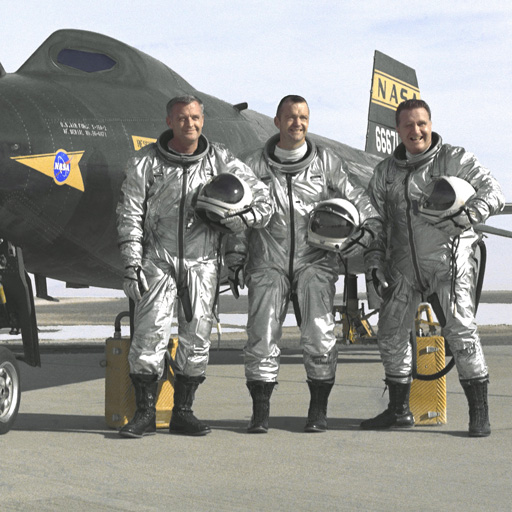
x=186, y=99
x=292, y=98
x=410, y=105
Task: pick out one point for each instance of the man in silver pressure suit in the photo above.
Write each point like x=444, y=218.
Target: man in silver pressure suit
x=279, y=266
x=168, y=252
x=426, y=251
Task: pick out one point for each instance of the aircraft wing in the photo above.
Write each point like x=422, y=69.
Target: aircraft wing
x=507, y=210
x=483, y=228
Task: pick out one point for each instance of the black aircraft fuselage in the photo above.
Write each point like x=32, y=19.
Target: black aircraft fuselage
x=70, y=118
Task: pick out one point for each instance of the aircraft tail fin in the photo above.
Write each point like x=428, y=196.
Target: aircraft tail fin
x=392, y=83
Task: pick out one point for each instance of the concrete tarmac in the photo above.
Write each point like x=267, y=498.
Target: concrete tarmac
x=60, y=455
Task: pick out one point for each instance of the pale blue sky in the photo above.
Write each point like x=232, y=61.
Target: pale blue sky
x=258, y=51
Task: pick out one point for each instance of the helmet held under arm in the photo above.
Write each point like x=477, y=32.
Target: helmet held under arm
x=332, y=223
x=445, y=197
x=222, y=196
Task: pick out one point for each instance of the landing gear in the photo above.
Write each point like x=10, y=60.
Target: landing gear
x=353, y=321
x=10, y=390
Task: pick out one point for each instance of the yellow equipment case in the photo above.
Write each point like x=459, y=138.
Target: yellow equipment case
x=428, y=397
x=119, y=391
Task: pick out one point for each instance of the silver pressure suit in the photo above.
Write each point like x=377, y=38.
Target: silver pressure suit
x=177, y=252
x=281, y=266
x=421, y=262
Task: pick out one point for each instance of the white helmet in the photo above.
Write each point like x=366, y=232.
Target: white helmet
x=445, y=197
x=220, y=196
x=331, y=223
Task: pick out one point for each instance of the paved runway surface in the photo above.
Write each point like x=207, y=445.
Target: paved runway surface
x=60, y=455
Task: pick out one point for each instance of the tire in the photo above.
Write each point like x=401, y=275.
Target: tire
x=10, y=390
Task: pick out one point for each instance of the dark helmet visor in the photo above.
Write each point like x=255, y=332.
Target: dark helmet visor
x=330, y=225
x=441, y=198
x=224, y=187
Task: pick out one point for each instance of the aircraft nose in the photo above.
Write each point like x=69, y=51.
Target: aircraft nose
x=15, y=182
x=14, y=134
x=9, y=179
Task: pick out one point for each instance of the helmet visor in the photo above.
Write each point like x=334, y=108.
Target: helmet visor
x=441, y=198
x=226, y=188
x=330, y=225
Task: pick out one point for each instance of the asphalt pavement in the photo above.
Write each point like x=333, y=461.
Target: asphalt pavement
x=60, y=455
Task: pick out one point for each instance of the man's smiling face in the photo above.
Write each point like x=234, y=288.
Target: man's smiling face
x=415, y=130
x=293, y=122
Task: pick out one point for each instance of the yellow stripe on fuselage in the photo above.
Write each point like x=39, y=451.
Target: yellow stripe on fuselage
x=46, y=164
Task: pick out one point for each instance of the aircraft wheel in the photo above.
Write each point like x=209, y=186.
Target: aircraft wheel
x=10, y=390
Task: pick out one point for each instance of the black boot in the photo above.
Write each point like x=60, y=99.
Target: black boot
x=144, y=421
x=183, y=420
x=397, y=415
x=260, y=392
x=317, y=413
x=476, y=393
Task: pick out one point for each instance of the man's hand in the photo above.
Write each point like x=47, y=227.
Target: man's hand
x=135, y=283
x=454, y=226
x=462, y=221
x=378, y=279
x=358, y=242
x=238, y=222
x=236, y=279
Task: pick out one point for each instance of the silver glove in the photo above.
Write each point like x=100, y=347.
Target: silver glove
x=135, y=283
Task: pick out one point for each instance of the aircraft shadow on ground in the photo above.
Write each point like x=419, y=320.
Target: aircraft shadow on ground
x=52, y=373
x=40, y=422
x=78, y=423
x=63, y=369
x=37, y=422
x=286, y=423
x=292, y=356
x=295, y=424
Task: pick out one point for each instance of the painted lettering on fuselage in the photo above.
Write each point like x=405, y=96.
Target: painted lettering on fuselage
x=389, y=92
x=140, y=142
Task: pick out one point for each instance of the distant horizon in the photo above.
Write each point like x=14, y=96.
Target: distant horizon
x=58, y=289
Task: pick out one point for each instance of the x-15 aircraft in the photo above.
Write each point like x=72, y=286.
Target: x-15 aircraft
x=70, y=118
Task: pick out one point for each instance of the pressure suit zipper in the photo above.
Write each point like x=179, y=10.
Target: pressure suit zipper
x=414, y=255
